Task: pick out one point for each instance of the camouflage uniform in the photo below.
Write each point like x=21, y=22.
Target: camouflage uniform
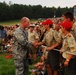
x=20, y=51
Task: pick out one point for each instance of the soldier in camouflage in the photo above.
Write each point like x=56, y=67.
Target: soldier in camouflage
x=21, y=46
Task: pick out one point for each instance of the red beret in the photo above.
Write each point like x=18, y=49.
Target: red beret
x=67, y=24
x=48, y=21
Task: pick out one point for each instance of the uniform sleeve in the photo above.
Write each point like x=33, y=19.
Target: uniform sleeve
x=74, y=26
x=71, y=44
x=74, y=30
x=36, y=36
x=56, y=37
x=21, y=39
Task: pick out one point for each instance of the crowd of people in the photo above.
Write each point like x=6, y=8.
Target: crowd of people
x=54, y=38
x=6, y=33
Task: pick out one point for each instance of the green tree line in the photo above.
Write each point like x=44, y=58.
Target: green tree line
x=17, y=11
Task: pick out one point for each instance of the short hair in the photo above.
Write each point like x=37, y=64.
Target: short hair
x=24, y=19
x=1, y=27
x=69, y=15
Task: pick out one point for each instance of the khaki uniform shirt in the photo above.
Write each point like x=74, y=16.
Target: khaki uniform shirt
x=9, y=32
x=56, y=37
x=68, y=45
x=32, y=36
x=61, y=34
x=73, y=30
x=42, y=29
x=48, y=38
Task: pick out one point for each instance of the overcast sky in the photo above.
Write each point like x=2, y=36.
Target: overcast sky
x=47, y=3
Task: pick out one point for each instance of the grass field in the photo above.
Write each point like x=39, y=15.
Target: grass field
x=13, y=22
x=10, y=23
x=6, y=65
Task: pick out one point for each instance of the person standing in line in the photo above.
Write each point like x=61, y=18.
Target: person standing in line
x=68, y=16
x=20, y=47
x=68, y=45
x=33, y=37
x=51, y=64
x=54, y=56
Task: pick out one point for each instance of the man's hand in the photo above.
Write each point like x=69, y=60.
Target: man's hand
x=66, y=63
x=35, y=44
x=49, y=48
x=60, y=51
